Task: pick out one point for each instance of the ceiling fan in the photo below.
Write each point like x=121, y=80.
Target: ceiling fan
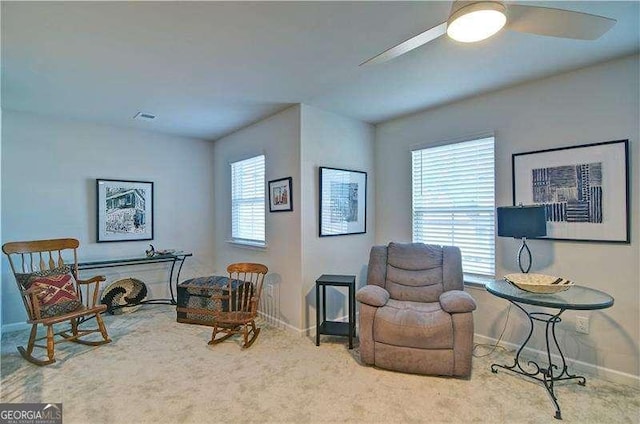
x=471, y=21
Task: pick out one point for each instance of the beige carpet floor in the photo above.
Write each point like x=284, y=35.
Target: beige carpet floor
x=159, y=371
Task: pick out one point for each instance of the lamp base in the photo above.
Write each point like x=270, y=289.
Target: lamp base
x=524, y=248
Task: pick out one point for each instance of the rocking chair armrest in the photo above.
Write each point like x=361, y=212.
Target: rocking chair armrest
x=96, y=279
x=253, y=304
x=32, y=291
x=91, y=300
x=34, y=302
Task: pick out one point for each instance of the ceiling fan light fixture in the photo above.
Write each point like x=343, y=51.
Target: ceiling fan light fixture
x=476, y=21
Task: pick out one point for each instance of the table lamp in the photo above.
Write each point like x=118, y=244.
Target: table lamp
x=522, y=222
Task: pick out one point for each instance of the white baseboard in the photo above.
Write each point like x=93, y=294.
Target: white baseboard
x=300, y=332
x=17, y=326
x=281, y=324
x=583, y=367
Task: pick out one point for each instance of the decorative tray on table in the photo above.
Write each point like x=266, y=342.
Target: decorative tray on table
x=539, y=283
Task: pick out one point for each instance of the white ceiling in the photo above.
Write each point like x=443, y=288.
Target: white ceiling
x=208, y=68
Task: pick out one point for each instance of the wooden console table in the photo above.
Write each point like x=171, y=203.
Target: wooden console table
x=174, y=259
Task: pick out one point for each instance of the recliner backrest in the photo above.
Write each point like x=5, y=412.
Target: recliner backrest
x=415, y=271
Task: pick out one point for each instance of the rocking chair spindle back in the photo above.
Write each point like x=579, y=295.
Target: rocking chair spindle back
x=34, y=261
x=240, y=301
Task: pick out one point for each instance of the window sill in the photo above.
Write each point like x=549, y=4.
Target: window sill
x=475, y=281
x=246, y=244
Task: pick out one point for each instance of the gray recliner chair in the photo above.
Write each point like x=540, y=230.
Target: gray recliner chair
x=414, y=315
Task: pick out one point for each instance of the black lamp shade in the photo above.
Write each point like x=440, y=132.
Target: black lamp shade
x=522, y=221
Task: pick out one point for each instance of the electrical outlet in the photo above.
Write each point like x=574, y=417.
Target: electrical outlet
x=582, y=325
x=269, y=290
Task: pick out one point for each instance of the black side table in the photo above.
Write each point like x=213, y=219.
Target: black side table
x=335, y=328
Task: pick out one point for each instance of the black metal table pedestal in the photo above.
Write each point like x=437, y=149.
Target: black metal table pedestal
x=543, y=375
x=335, y=328
x=575, y=298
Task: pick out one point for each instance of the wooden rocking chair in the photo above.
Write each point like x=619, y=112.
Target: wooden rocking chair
x=239, y=304
x=52, y=293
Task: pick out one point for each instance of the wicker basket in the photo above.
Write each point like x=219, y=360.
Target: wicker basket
x=124, y=296
x=538, y=283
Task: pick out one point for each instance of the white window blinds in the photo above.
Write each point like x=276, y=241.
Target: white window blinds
x=247, y=200
x=453, y=200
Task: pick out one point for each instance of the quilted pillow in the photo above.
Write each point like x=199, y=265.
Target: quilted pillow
x=57, y=294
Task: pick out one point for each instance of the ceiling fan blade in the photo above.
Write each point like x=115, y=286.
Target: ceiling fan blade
x=557, y=22
x=410, y=44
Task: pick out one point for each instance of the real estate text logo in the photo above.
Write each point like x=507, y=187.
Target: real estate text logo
x=30, y=413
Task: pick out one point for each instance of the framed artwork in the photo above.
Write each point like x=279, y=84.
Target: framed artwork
x=585, y=190
x=343, y=202
x=280, y=195
x=125, y=210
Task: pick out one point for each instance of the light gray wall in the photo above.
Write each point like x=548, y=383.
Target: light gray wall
x=49, y=168
x=278, y=138
x=295, y=143
x=337, y=142
x=595, y=104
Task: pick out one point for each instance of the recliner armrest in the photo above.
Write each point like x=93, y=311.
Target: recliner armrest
x=373, y=295
x=457, y=301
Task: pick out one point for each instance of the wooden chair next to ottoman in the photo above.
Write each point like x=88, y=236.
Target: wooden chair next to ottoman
x=228, y=304
x=242, y=308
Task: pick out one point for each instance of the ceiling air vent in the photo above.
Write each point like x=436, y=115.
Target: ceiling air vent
x=144, y=116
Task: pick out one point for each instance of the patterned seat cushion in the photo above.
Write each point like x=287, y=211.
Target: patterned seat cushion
x=57, y=290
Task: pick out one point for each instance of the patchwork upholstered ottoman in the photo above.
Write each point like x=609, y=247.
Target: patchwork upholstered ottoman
x=195, y=302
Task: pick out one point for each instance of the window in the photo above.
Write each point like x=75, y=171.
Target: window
x=453, y=201
x=247, y=201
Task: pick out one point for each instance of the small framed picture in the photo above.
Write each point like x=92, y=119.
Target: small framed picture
x=343, y=202
x=125, y=210
x=280, y=195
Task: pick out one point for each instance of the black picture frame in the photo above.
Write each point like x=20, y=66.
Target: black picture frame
x=585, y=190
x=281, y=195
x=124, y=210
x=342, y=202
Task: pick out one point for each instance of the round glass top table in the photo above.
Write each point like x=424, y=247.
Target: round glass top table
x=574, y=298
